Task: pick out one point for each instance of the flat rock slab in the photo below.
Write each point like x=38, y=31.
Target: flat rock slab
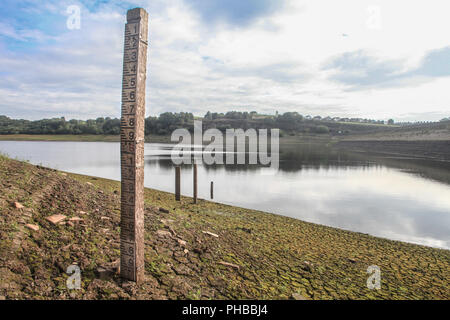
x=211, y=234
x=18, y=205
x=232, y=265
x=167, y=221
x=297, y=296
x=32, y=227
x=56, y=218
x=163, y=233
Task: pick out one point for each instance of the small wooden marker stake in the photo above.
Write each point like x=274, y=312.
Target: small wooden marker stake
x=195, y=183
x=212, y=190
x=132, y=146
x=177, y=183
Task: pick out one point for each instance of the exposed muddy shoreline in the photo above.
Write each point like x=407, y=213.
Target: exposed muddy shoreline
x=255, y=255
x=429, y=149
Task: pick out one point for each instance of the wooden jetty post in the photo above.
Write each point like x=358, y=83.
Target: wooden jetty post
x=132, y=146
x=212, y=190
x=195, y=183
x=177, y=183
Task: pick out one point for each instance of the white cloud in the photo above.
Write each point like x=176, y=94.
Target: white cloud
x=274, y=63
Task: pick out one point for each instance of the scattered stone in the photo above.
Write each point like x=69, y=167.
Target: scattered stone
x=32, y=227
x=306, y=266
x=182, y=242
x=105, y=218
x=70, y=223
x=182, y=270
x=56, y=218
x=64, y=174
x=89, y=183
x=166, y=221
x=235, y=266
x=104, y=274
x=163, y=210
x=18, y=205
x=245, y=229
x=60, y=266
x=82, y=212
x=114, y=266
x=298, y=296
x=130, y=287
x=163, y=233
x=173, y=231
x=75, y=219
x=97, y=210
x=186, y=251
x=211, y=234
x=27, y=214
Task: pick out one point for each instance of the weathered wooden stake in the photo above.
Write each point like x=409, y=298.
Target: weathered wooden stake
x=195, y=183
x=177, y=183
x=132, y=146
x=212, y=190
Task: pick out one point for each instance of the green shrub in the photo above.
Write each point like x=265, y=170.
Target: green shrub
x=321, y=129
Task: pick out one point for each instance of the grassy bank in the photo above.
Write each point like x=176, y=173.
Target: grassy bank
x=271, y=256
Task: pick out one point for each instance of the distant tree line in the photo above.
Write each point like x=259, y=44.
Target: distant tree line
x=164, y=124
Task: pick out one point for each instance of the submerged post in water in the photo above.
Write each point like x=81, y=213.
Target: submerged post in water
x=195, y=183
x=132, y=146
x=177, y=183
x=212, y=190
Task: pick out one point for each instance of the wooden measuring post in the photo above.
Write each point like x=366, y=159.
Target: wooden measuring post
x=195, y=183
x=132, y=146
x=212, y=190
x=177, y=183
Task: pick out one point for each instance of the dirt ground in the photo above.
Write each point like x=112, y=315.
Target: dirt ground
x=192, y=251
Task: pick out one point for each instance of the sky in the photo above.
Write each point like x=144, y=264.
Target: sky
x=351, y=58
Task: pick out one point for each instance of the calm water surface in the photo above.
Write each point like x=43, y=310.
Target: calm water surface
x=400, y=199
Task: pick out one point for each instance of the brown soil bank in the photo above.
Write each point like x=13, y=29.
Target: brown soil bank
x=431, y=149
x=245, y=254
